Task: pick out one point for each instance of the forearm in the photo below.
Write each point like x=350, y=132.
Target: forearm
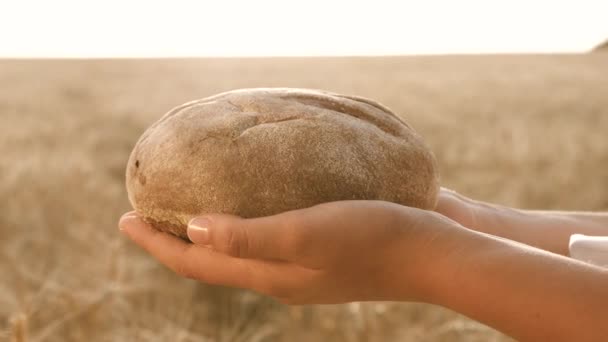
x=599, y=220
x=548, y=230
x=525, y=292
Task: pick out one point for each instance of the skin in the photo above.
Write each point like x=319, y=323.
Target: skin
x=472, y=257
x=548, y=230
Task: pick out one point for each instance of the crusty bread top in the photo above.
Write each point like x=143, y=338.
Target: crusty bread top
x=255, y=152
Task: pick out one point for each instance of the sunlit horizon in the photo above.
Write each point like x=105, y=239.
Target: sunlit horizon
x=73, y=29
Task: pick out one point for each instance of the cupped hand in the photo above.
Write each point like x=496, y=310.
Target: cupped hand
x=329, y=253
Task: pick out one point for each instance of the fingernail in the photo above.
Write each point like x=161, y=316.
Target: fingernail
x=129, y=214
x=123, y=223
x=198, y=230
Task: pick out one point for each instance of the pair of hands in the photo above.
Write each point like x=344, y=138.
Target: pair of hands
x=329, y=253
x=372, y=250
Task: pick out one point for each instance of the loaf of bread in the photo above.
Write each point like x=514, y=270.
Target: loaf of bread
x=257, y=152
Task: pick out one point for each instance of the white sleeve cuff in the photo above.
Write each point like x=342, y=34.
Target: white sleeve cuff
x=591, y=249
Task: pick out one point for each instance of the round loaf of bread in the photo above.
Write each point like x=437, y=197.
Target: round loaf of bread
x=258, y=152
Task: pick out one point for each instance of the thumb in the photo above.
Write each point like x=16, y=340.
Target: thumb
x=257, y=238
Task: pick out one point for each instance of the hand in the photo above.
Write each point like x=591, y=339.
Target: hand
x=330, y=253
x=477, y=215
x=461, y=209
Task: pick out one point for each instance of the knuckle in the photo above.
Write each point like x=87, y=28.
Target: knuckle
x=284, y=300
x=296, y=234
x=184, y=271
x=235, y=241
x=293, y=219
x=291, y=301
x=274, y=289
x=301, y=244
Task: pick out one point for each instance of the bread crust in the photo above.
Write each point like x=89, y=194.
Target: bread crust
x=262, y=151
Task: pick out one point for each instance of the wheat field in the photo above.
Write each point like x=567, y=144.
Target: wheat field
x=522, y=130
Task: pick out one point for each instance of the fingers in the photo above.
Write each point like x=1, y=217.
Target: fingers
x=271, y=237
x=193, y=261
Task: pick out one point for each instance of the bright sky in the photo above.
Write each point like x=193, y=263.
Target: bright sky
x=124, y=28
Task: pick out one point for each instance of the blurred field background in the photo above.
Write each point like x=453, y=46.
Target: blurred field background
x=522, y=130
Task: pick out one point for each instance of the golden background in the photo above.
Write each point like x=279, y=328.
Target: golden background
x=529, y=131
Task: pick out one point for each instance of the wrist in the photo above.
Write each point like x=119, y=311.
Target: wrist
x=480, y=216
x=417, y=260
x=455, y=247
